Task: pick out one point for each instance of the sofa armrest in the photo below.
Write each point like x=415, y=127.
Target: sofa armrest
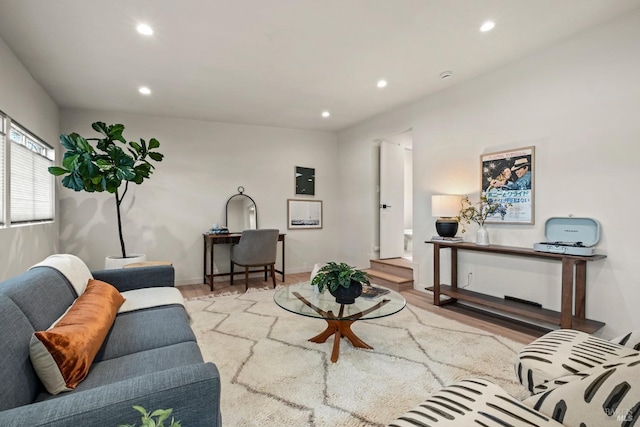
x=193, y=392
x=127, y=279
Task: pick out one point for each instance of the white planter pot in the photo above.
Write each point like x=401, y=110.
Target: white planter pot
x=112, y=262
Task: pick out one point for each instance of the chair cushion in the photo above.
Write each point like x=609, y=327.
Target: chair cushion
x=607, y=394
x=473, y=402
x=564, y=352
x=63, y=354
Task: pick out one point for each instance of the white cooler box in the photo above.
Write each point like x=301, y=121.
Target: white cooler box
x=568, y=235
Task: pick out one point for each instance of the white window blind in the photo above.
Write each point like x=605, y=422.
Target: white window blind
x=31, y=183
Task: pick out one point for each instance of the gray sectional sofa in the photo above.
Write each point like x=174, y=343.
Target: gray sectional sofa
x=149, y=358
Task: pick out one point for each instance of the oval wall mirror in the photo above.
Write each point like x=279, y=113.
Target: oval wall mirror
x=241, y=212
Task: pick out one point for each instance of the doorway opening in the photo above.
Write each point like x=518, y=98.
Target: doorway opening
x=396, y=196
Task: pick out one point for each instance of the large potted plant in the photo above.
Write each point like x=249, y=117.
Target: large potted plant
x=343, y=281
x=105, y=165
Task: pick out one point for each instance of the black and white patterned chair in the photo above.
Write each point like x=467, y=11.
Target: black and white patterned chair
x=567, y=352
x=473, y=402
x=605, y=395
x=577, y=380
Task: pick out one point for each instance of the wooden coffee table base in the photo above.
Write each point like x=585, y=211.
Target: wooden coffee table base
x=339, y=328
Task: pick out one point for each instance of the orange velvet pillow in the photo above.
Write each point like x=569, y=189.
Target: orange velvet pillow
x=62, y=355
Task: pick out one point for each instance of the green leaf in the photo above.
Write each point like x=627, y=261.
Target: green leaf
x=73, y=181
x=67, y=142
x=125, y=173
x=135, y=146
x=156, y=156
x=100, y=127
x=153, y=143
x=57, y=171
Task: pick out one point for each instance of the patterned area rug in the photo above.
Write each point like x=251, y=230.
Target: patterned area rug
x=273, y=376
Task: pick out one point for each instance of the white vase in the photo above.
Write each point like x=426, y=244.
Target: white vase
x=111, y=262
x=482, y=237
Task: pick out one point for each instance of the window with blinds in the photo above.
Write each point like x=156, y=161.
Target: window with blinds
x=31, y=191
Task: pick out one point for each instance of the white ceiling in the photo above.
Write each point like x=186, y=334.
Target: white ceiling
x=277, y=62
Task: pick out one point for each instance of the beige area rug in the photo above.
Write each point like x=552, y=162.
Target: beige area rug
x=272, y=376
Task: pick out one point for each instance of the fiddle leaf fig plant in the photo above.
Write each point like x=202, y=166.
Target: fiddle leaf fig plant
x=108, y=165
x=332, y=275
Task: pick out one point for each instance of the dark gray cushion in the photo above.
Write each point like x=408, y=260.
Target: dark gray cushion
x=146, y=329
x=137, y=364
x=192, y=391
x=126, y=279
x=19, y=383
x=42, y=293
x=29, y=302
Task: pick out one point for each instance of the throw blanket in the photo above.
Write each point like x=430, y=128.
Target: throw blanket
x=70, y=266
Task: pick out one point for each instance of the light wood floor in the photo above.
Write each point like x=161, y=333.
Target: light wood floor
x=413, y=297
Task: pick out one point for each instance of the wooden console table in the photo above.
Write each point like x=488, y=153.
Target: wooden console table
x=210, y=240
x=574, y=273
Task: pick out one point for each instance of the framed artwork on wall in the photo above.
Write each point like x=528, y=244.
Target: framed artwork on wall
x=305, y=181
x=304, y=214
x=508, y=178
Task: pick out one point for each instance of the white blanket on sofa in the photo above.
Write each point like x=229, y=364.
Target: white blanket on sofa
x=72, y=267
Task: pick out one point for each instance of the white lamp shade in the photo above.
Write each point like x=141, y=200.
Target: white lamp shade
x=445, y=205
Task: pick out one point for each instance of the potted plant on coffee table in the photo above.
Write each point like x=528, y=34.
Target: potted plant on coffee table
x=105, y=165
x=343, y=281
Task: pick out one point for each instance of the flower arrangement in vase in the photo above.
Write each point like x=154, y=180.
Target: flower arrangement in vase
x=478, y=213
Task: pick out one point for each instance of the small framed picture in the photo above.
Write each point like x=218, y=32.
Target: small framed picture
x=508, y=178
x=304, y=214
x=305, y=181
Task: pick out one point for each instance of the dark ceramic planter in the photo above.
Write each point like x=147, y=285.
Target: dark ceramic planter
x=347, y=295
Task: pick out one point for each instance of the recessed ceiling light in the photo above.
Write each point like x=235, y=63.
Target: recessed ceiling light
x=326, y=114
x=144, y=90
x=381, y=83
x=487, y=26
x=144, y=29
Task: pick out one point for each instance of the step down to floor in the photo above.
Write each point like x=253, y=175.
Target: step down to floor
x=394, y=273
x=389, y=280
x=400, y=267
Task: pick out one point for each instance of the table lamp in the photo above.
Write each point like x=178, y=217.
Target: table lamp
x=446, y=207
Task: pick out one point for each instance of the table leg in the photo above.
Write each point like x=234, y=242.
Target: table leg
x=283, y=260
x=581, y=288
x=436, y=274
x=454, y=268
x=566, y=308
x=204, y=261
x=211, y=264
x=339, y=329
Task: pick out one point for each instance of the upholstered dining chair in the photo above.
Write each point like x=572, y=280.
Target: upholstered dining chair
x=256, y=248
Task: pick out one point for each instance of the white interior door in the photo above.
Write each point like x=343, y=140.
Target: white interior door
x=391, y=200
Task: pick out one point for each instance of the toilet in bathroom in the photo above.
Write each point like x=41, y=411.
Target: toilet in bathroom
x=408, y=239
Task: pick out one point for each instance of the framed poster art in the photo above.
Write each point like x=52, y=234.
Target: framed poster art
x=305, y=181
x=304, y=214
x=508, y=178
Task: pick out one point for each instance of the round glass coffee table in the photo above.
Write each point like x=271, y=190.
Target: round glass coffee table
x=302, y=299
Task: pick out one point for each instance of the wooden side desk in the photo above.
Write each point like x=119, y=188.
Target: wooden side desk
x=210, y=240
x=574, y=275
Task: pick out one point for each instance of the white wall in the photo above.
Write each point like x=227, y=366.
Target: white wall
x=204, y=164
x=578, y=103
x=24, y=100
